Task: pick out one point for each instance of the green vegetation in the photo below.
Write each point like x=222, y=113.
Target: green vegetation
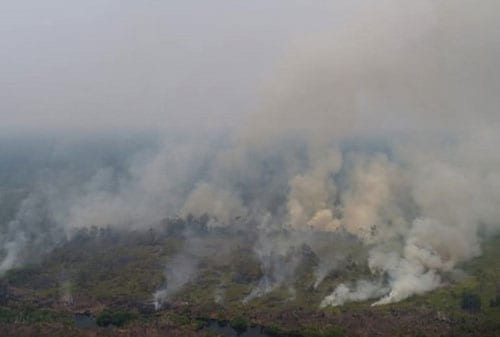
x=115, y=317
x=275, y=330
x=29, y=314
x=239, y=324
x=178, y=319
x=471, y=302
x=314, y=331
x=323, y=332
x=495, y=302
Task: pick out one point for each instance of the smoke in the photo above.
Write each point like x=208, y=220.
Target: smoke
x=219, y=294
x=224, y=206
x=382, y=134
x=198, y=245
x=179, y=271
x=312, y=192
x=153, y=187
x=279, y=253
x=362, y=291
x=30, y=234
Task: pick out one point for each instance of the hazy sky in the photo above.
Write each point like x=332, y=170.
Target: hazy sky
x=138, y=64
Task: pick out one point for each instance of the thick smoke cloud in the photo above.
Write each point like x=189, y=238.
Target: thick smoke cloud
x=382, y=133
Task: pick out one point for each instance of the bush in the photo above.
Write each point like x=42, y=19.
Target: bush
x=323, y=332
x=274, y=330
x=29, y=314
x=239, y=324
x=114, y=317
x=471, y=302
x=495, y=302
x=7, y=315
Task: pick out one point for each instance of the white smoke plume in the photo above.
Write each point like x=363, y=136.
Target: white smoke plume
x=31, y=233
x=224, y=207
x=179, y=271
x=362, y=291
x=277, y=252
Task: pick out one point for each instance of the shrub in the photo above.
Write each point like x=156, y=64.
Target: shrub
x=29, y=314
x=114, y=317
x=471, y=302
x=495, y=302
x=239, y=324
x=323, y=332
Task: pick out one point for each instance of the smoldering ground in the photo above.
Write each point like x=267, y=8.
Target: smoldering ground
x=382, y=133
